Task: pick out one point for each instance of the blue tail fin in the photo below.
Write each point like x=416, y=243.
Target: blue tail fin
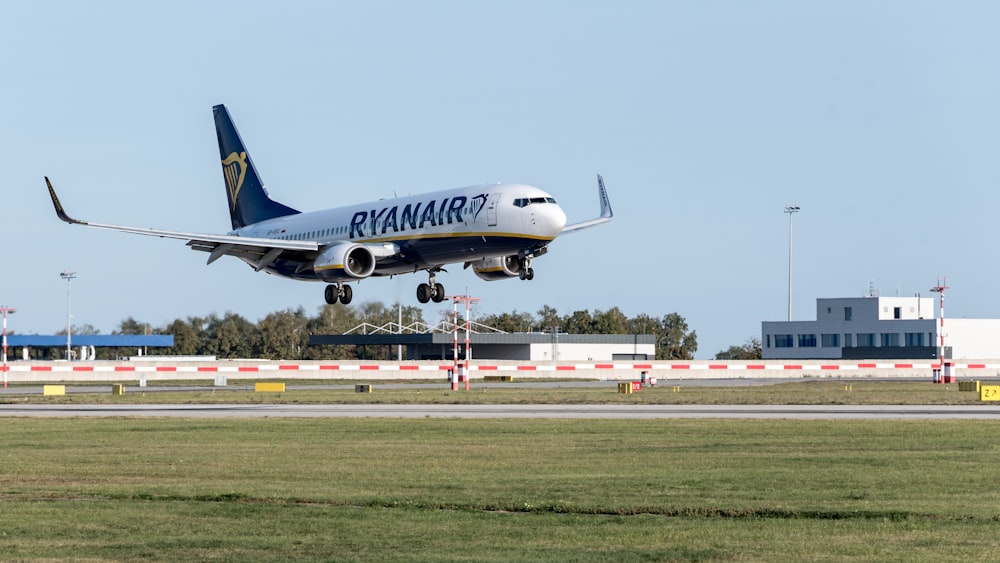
x=248, y=200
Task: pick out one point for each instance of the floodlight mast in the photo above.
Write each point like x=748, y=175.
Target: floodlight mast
x=940, y=289
x=790, y=209
x=68, y=276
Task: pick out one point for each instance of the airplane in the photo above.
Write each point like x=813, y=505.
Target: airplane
x=497, y=230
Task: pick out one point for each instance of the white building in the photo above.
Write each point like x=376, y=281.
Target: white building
x=879, y=328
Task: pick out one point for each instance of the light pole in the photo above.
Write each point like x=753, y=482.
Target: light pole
x=791, y=210
x=555, y=342
x=68, y=276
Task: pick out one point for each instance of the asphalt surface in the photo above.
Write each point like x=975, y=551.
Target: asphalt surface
x=807, y=412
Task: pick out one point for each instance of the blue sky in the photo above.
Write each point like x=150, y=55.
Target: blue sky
x=879, y=119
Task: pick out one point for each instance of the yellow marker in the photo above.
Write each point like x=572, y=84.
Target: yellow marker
x=989, y=392
x=51, y=390
x=269, y=387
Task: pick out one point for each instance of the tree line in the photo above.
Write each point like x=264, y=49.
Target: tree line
x=285, y=334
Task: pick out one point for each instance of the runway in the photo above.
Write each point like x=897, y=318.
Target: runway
x=800, y=412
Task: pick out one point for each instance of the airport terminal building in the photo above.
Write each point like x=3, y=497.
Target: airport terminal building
x=879, y=328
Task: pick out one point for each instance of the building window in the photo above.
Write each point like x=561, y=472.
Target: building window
x=848, y=313
x=831, y=340
x=890, y=339
x=915, y=339
x=866, y=339
x=768, y=340
x=807, y=341
x=783, y=341
x=897, y=312
x=848, y=340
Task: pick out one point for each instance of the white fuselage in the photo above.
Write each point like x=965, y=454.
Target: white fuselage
x=412, y=233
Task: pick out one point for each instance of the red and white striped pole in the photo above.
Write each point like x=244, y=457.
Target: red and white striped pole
x=468, y=347
x=945, y=365
x=5, y=368
x=454, y=335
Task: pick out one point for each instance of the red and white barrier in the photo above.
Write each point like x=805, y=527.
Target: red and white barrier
x=119, y=371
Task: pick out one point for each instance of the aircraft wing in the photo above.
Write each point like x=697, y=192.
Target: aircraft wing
x=604, y=217
x=260, y=252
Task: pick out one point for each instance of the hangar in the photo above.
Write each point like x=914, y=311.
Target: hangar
x=530, y=346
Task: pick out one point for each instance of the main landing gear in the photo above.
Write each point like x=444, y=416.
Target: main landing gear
x=430, y=291
x=525, y=271
x=338, y=292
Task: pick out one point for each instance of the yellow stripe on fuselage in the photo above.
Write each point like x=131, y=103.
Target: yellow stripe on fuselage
x=452, y=235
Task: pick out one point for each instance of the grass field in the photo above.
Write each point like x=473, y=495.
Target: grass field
x=830, y=392
x=524, y=490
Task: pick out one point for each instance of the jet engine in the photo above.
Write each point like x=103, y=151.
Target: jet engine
x=499, y=268
x=344, y=262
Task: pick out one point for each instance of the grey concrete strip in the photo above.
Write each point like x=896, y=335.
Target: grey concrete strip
x=806, y=412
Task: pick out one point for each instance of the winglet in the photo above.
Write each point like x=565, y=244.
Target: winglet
x=602, y=193
x=606, y=212
x=59, y=208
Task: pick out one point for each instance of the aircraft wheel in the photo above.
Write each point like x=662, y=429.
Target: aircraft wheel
x=523, y=274
x=438, y=295
x=530, y=274
x=330, y=294
x=346, y=294
x=423, y=293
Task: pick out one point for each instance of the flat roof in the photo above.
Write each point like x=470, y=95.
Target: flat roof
x=95, y=340
x=478, y=338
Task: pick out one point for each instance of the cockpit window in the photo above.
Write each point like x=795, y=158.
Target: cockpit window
x=526, y=201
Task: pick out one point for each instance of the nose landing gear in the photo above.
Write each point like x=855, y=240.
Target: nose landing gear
x=525, y=271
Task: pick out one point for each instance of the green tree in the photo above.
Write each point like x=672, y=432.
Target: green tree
x=548, y=317
x=642, y=324
x=579, y=322
x=236, y=337
x=187, y=337
x=283, y=334
x=750, y=350
x=509, y=322
x=676, y=342
x=131, y=326
x=612, y=321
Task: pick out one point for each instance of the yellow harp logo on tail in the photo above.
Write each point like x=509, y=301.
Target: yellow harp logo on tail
x=234, y=167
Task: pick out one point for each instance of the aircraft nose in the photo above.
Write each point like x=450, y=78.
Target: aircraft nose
x=551, y=219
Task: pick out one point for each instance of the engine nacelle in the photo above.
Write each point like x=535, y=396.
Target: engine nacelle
x=344, y=262
x=499, y=268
